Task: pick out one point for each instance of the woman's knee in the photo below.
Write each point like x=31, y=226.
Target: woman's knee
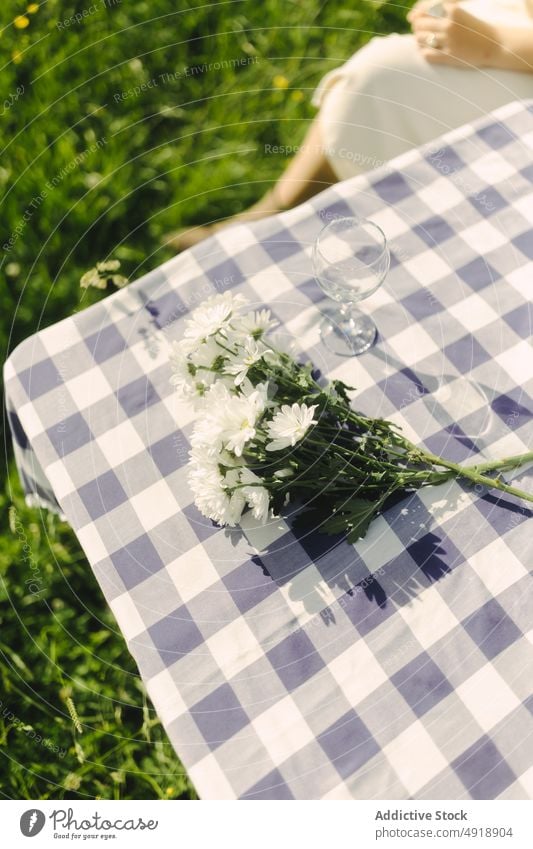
x=379, y=66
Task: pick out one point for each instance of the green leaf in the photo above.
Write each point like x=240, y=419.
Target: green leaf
x=342, y=389
x=312, y=518
x=355, y=517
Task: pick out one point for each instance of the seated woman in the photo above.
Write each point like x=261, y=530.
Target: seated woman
x=463, y=59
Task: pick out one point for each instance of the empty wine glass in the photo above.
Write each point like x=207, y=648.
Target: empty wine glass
x=350, y=261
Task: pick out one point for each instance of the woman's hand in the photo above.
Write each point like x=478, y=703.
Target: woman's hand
x=459, y=38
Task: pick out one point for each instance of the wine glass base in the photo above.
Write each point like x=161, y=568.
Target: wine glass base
x=349, y=335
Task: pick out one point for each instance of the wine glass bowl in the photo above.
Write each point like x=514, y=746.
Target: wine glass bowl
x=350, y=261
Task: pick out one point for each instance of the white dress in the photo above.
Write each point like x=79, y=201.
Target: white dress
x=387, y=98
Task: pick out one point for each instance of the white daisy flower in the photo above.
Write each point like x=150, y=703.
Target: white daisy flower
x=208, y=389
x=215, y=398
x=208, y=355
x=182, y=372
x=247, y=388
x=212, y=316
x=249, y=353
x=229, y=420
x=257, y=496
x=285, y=343
x=238, y=420
x=289, y=425
x=255, y=323
x=206, y=438
x=213, y=495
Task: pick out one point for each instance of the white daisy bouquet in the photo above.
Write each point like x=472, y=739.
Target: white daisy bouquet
x=268, y=434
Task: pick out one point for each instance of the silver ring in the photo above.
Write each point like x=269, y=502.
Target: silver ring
x=432, y=41
x=437, y=10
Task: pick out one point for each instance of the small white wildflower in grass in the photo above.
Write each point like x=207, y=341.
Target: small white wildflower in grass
x=72, y=781
x=93, y=279
x=102, y=274
x=91, y=180
x=289, y=426
x=108, y=265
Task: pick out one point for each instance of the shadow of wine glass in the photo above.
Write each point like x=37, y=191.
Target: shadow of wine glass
x=449, y=398
x=464, y=408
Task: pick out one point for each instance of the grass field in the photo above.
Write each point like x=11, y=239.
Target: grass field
x=121, y=121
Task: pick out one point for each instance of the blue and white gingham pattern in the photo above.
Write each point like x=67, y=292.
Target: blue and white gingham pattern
x=294, y=666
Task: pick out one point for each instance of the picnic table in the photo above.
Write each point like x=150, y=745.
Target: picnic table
x=287, y=665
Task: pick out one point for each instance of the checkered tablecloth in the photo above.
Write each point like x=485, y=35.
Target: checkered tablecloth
x=287, y=666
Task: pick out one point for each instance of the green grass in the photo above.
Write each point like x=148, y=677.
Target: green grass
x=122, y=171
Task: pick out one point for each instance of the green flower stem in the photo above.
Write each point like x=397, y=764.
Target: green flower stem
x=506, y=463
x=351, y=466
x=224, y=347
x=472, y=472
x=352, y=455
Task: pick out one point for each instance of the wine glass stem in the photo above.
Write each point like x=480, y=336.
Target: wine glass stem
x=349, y=313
